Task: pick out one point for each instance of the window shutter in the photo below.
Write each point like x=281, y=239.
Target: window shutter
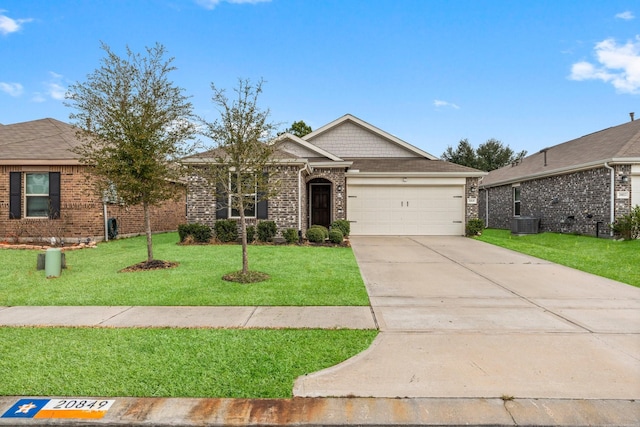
x=262, y=210
x=54, y=195
x=222, y=211
x=15, y=195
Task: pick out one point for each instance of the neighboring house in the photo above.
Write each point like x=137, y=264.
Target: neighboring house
x=349, y=169
x=579, y=186
x=45, y=192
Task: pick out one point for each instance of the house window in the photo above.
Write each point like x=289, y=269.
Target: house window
x=36, y=195
x=248, y=189
x=516, y=201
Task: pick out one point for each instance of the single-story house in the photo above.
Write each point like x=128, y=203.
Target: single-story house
x=46, y=192
x=579, y=186
x=349, y=169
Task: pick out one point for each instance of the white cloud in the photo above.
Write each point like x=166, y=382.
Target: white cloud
x=618, y=65
x=626, y=15
x=9, y=25
x=13, y=89
x=54, y=86
x=38, y=97
x=210, y=4
x=438, y=103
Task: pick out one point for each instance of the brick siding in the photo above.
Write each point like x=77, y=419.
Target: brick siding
x=82, y=212
x=282, y=208
x=570, y=203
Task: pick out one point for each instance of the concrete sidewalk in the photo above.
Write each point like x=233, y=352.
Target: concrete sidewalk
x=190, y=317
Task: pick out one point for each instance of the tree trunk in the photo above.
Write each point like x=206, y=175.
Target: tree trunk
x=147, y=225
x=243, y=236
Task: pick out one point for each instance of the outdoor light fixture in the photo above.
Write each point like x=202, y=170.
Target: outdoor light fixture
x=472, y=188
x=339, y=187
x=623, y=178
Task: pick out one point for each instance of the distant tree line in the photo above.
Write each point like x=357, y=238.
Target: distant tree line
x=488, y=156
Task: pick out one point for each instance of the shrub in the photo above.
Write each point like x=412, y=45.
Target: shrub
x=342, y=225
x=290, y=235
x=336, y=236
x=266, y=231
x=628, y=226
x=322, y=228
x=199, y=233
x=226, y=230
x=475, y=227
x=315, y=235
x=251, y=233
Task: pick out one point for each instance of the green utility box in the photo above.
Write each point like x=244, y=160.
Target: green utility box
x=53, y=262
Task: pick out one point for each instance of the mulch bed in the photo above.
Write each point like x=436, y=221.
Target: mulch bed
x=155, y=264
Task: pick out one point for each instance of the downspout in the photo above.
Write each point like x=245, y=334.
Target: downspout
x=486, y=202
x=486, y=207
x=106, y=225
x=612, y=217
x=300, y=198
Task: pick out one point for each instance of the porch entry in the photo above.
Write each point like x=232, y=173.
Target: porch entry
x=320, y=202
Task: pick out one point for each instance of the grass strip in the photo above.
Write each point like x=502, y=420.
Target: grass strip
x=617, y=260
x=299, y=276
x=248, y=363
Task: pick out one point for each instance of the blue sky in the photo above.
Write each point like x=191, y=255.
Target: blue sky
x=529, y=73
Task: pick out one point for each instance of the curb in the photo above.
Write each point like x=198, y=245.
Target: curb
x=189, y=412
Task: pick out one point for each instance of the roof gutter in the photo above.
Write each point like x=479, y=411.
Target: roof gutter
x=356, y=172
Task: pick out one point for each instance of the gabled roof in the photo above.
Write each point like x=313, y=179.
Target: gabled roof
x=307, y=146
x=44, y=141
x=618, y=144
x=348, y=118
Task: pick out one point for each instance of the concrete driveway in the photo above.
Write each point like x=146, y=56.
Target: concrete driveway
x=461, y=318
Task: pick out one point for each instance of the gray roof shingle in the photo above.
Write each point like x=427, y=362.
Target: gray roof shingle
x=44, y=140
x=617, y=143
x=409, y=165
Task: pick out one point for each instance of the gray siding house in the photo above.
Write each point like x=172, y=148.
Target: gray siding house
x=580, y=186
x=349, y=169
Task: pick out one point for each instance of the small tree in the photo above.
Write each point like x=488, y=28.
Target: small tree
x=134, y=124
x=299, y=129
x=240, y=157
x=463, y=155
x=493, y=155
x=487, y=157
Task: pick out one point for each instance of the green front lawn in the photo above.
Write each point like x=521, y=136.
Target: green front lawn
x=247, y=363
x=607, y=258
x=299, y=276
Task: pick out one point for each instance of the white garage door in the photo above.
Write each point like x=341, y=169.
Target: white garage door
x=406, y=210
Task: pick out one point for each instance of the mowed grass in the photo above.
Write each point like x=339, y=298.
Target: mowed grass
x=617, y=260
x=299, y=276
x=247, y=363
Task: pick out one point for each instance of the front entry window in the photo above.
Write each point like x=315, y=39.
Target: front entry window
x=247, y=186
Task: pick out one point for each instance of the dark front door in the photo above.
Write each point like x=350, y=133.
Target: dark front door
x=321, y=204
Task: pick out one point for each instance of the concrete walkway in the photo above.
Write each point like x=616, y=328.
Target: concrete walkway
x=471, y=334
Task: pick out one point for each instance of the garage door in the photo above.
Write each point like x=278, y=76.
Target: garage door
x=406, y=210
